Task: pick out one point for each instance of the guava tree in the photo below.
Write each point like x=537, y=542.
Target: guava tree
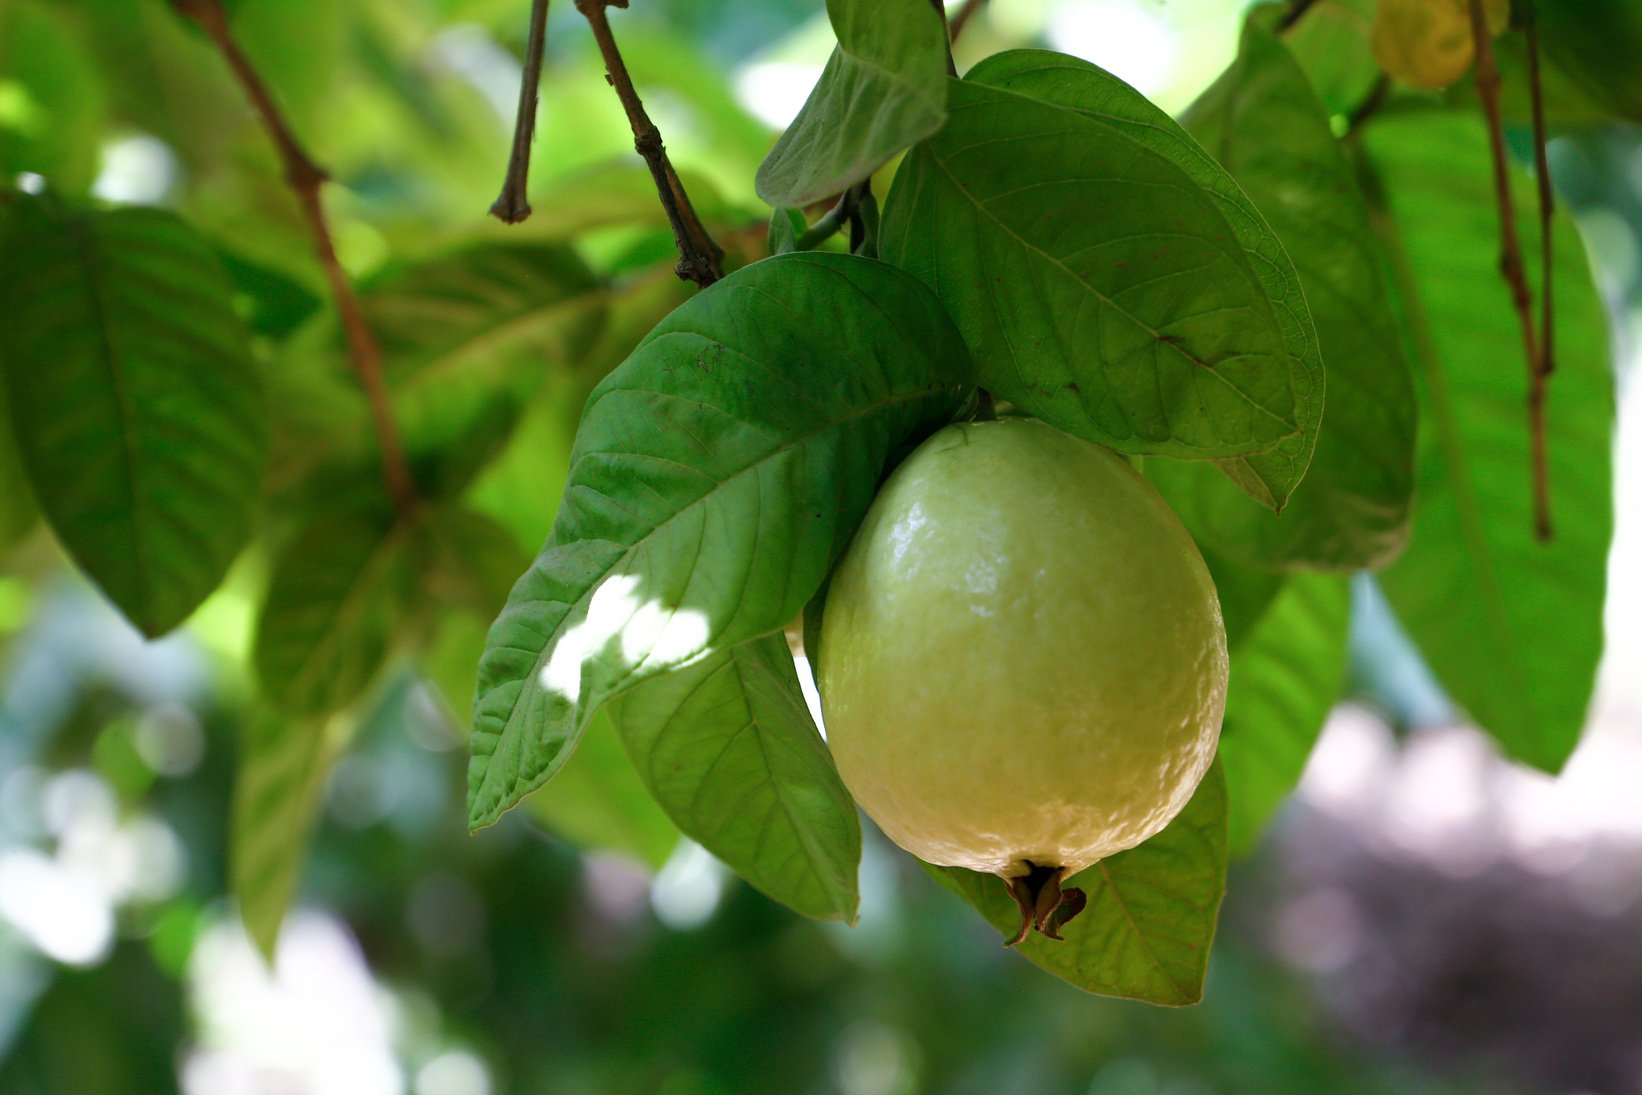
x=1332, y=312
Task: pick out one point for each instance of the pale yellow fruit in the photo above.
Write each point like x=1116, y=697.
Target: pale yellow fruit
x=1022, y=660
x=1429, y=43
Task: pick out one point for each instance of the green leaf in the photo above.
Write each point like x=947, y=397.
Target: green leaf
x=18, y=513
x=52, y=98
x=1131, y=294
x=1266, y=126
x=786, y=225
x=1331, y=45
x=336, y=601
x=282, y=770
x=883, y=89
x=717, y=474
x=1511, y=626
x=1285, y=676
x=1146, y=931
x=596, y=801
x=1267, y=476
x=1595, y=43
x=137, y=409
x=728, y=748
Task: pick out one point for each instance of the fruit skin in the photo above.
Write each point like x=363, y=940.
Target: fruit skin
x=1022, y=656
x=1428, y=43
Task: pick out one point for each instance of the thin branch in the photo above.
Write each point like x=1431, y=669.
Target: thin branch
x=960, y=18
x=1510, y=260
x=512, y=206
x=1546, y=364
x=1297, y=10
x=1371, y=104
x=305, y=179
x=700, y=259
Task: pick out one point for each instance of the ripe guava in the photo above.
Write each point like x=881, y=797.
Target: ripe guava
x=1022, y=663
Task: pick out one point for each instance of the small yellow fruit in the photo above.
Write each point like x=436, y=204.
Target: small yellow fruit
x=1428, y=43
x=1022, y=664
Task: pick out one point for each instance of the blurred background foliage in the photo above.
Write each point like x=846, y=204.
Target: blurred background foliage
x=1423, y=918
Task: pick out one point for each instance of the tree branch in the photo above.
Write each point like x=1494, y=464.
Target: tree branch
x=1546, y=364
x=1297, y=10
x=700, y=259
x=1510, y=260
x=960, y=18
x=512, y=206
x=305, y=180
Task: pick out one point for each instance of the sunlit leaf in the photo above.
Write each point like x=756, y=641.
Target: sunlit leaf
x=717, y=474
x=1263, y=122
x=1152, y=910
x=883, y=89
x=1108, y=275
x=728, y=748
x=1511, y=625
x=136, y=406
x=1285, y=676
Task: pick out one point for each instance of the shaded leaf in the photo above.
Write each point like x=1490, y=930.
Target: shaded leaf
x=136, y=406
x=1146, y=931
x=1285, y=676
x=1108, y=275
x=728, y=748
x=282, y=770
x=336, y=600
x=18, y=513
x=883, y=89
x=1511, y=626
x=596, y=801
x=717, y=474
x=1266, y=126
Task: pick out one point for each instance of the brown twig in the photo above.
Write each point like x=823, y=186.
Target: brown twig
x=305, y=179
x=960, y=18
x=512, y=206
x=1510, y=260
x=1371, y=104
x=700, y=259
x=1546, y=364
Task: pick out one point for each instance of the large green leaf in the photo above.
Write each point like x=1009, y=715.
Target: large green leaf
x=136, y=405
x=1269, y=476
x=883, y=89
x=1146, y=931
x=1285, y=676
x=1267, y=127
x=1108, y=275
x=336, y=601
x=282, y=769
x=1331, y=45
x=1512, y=626
x=728, y=748
x=717, y=474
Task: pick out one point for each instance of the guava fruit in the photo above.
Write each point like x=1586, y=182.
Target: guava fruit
x=1022, y=663
x=1428, y=43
